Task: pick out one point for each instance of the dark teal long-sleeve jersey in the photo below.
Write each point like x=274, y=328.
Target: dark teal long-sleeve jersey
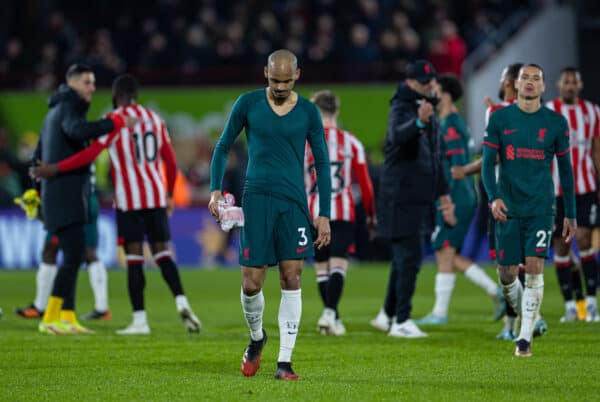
x=276, y=147
x=527, y=143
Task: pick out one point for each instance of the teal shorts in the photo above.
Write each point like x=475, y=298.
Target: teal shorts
x=274, y=230
x=90, y=228
x=453, y=236
x=518, y=238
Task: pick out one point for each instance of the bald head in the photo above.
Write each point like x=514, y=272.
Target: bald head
x=282, y=58
x=282, y=72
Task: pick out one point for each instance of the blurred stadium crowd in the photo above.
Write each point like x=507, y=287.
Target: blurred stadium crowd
x=175, y=38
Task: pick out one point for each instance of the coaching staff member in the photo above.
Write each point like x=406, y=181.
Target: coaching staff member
x=64, y=132
x=412, y=184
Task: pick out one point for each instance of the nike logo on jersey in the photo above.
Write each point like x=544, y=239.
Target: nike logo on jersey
x=509, y=131
x=300, y=250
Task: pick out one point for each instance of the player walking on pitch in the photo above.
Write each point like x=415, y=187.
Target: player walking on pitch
x=277, y=229
x=526, y=137
x=584, y=123
x=348, y=165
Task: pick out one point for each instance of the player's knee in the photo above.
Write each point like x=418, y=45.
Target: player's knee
x=250, y=288
x=584, y=240
x=252, y=282
x=506, y=275
x=290, y=279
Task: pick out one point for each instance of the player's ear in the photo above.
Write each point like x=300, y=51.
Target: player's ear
x=266, y=72
x=579, y=85
x=297, y=74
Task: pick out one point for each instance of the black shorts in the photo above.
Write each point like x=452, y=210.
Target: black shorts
x=587, y=212
x=133, y=226
x=342, y=238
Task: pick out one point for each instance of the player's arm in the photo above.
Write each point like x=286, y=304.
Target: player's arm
x=77, y=128
x=567, y=182
x=80, y=159
x=218, y=163
x=360, y=168
x=491, y=145
x=596, y=142
x=318, y=145
x=167, y=154
x=402, y=124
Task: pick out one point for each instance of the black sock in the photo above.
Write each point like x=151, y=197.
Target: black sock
x=590, y=273
x=576, y=284
x=284, y=365
x=563, y=273
x=136, y=284
x=170, y=274
x=334, y=290
x=323, y=284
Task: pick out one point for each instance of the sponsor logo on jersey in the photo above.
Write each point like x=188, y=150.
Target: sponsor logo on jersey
x=510, y=152
x=528, y=153
x=510, y=131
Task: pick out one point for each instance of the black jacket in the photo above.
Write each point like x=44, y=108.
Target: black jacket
x=412, y=177
x=64, y=133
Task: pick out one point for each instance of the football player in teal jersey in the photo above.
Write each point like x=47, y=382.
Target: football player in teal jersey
x=526, y=137
x=277, y=229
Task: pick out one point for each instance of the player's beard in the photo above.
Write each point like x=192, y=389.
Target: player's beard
x=501, y=92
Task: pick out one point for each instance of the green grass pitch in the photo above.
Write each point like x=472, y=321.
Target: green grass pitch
x=460, y=361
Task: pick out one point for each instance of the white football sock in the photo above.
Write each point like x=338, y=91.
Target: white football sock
x=444, y=285
x=139, y=317
x=290, y=311
x=99, y=284
x=513, y=294
x=532, y=300
x=478, y=276
x=253, y=308
x=570, y=305
x=591, y=301
x=181, y=302
x=44, y=280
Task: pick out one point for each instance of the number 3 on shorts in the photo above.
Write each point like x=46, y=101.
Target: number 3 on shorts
x=303, y=239
x=543, y=238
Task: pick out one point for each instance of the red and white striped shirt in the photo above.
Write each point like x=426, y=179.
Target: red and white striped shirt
x=135, y=154
x=348, y=163
x=583, y=118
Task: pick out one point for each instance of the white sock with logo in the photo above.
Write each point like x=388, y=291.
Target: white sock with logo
x=99, y=284
x=532, y=301
x=478, y=276
x=444, y=285
x=513, y=294
x=253, y=308
x=44, y=280
x=290, y=311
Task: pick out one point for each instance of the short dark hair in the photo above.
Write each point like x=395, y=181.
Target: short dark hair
x=533, y=65
x=511, y=72
x=125, y=86
x=77, y=69
x=571, y=70
x=326, y=101
x=451, y=84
